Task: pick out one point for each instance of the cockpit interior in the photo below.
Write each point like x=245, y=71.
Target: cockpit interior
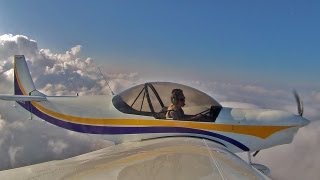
x=153, y=99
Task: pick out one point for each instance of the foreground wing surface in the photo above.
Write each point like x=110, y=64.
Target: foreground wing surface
x=167, y=158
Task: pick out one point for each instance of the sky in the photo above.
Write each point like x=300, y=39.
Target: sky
x=252, y=52
x=267, y=41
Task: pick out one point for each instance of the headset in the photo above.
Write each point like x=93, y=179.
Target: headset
x=174, y=96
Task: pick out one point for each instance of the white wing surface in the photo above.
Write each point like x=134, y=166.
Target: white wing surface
x=157, y=159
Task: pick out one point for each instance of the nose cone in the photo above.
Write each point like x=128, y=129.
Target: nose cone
x=304, y=121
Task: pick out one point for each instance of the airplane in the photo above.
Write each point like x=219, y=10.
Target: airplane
x=147, y=144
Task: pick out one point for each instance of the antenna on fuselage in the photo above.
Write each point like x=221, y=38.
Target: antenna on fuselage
x=106, y=81
x=74, y=87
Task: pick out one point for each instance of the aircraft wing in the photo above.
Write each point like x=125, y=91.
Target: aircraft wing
x=165, y=158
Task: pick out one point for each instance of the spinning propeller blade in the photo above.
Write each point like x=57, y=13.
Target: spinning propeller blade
x=299, y=102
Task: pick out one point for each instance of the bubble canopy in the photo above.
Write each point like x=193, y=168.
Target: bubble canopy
x=152, y=98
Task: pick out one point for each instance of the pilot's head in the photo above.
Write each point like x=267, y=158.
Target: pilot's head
x=177, y=97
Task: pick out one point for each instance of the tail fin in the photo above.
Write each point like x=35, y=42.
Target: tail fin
x=23, y=84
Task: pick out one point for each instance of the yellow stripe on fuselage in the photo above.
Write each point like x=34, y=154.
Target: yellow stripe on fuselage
x=253, y=130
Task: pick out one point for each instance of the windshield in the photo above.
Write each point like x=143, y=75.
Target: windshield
x=152, y=98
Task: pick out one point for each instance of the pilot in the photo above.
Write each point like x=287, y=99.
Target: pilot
x=175, y=110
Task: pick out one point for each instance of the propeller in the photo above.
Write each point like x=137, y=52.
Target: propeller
x=299, y=107
x=299, y=102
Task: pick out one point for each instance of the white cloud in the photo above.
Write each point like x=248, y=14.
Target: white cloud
x=57, y=146
x=9, y=74
x=55, y=89
x=65, y=72
x=18, y=44
x=13, y=151
x=239, y=105
x=2, y=124
x=254, y=89
x=316, y=96
x=75, y=50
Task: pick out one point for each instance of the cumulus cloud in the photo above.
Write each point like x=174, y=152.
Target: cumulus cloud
x=18, y=44
x=63, y=73
x=25, y=142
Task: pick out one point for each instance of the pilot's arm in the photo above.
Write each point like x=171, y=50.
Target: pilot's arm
x=174, y=114
x=178, y=114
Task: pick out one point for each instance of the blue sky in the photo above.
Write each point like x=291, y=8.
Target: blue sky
x=255, y=41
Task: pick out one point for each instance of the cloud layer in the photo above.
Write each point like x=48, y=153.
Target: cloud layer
x=24, y=142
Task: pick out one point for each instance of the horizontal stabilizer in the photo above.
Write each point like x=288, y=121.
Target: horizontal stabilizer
x=22, y=98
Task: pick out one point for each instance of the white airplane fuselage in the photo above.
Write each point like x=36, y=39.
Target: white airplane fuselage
x=235, y=128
